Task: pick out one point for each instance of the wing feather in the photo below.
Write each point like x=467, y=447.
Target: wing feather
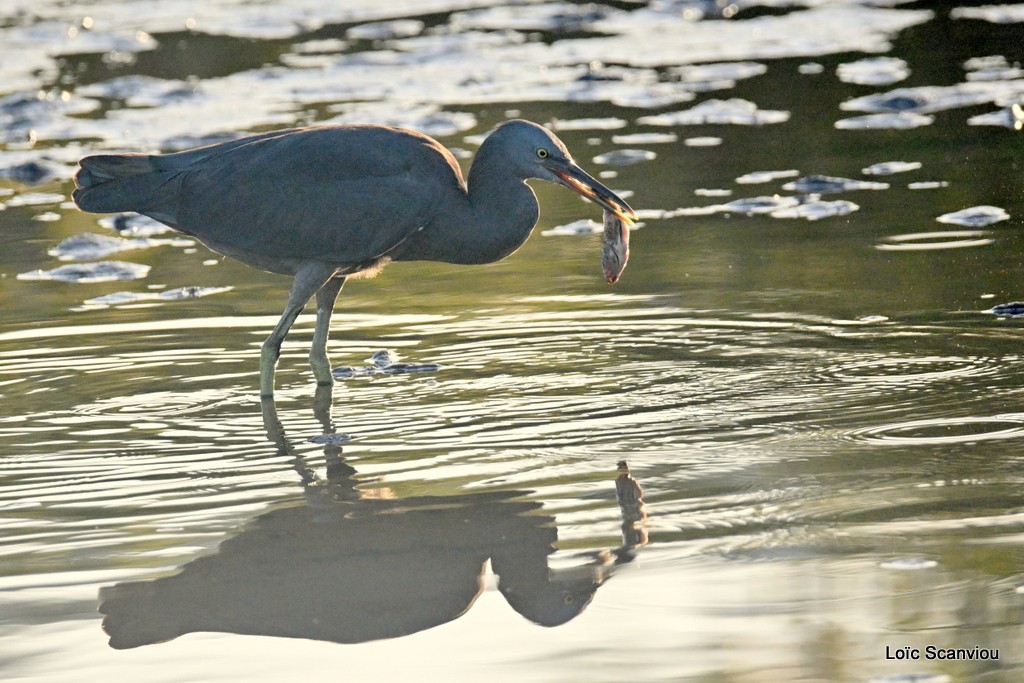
x=344, y=194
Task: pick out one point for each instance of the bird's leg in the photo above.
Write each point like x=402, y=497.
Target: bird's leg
x=325, y=298
x=308, y=280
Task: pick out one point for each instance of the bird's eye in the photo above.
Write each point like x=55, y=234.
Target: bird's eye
x=569, y=599
x=542, y=153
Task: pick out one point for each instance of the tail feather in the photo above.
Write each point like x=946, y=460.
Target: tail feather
x=103, y=167
x=109, y=183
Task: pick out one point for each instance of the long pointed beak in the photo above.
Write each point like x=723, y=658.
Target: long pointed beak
x=581, y=182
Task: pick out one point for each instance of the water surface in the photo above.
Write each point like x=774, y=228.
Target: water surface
x=801, y=364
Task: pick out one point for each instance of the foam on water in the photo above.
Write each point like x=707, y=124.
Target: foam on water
x=30, y=168
x=760, y=205
x=811, y=68
x=902, y=120
x=923, y=677
x=703, y=141
x=996, y=14
x=1011, y=117
x=550, y=16
x=931, y=99
x=721, y=71
x=177, y=294
x=821, y=184
x=419, y=66
x=873, y=71
x=624, y=157
x=134, y=225
x=34, y=199
x=909, y=564
x=584, y=226
x=84, y=273
x=1012, y=309
x=891, y=167
x=712, y=192
x=140, y=91
x=776, y=206
x=975, y=216
x=759, y=177
x=816, y=209
x=87, y=246
x=734, y=112
x=425, y=119
x=991, y=68
x=644, y=138
x=606, y=123
x=819, y=30
x=385, y=30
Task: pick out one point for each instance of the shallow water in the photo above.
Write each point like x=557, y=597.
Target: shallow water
x=808, y=364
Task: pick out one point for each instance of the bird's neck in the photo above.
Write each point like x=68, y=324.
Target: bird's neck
x=501, y=211
x=487, y=221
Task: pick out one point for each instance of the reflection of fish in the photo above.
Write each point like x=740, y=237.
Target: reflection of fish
x=615, y=248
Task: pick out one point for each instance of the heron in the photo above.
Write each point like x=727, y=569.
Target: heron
x=331, y=202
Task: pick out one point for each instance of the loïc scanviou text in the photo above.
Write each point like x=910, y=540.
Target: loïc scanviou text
x=933, y=652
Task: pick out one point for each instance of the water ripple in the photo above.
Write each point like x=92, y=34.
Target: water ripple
x=908, y=371
x=541, y=399
x=940, y=239
x=946, y=430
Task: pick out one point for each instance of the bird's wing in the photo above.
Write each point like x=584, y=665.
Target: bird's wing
x=342, y=194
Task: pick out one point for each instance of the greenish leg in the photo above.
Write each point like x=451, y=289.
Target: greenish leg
x=325, y=298
x=308, y=281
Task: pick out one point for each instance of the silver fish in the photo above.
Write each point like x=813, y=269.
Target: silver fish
x=615, y=248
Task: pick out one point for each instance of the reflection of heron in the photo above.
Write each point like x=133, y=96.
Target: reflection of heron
x=332, y=202
x=347, y=568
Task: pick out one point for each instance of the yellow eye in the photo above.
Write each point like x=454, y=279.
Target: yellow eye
x=542, y=153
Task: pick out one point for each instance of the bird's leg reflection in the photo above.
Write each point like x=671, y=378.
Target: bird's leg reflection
x=339, y=565
x=323, y=403
x=325, y=298
x=272, y=424
x=275, y=434
x=340, y=474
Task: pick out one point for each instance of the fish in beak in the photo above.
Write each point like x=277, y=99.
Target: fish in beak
x=614, y=248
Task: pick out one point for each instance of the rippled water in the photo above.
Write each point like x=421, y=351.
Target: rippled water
x=812, y=365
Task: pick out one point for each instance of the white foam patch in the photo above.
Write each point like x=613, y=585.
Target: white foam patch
x=873, y=71
x=895, y=121
x=100, y=271
x=87, y=246
x=996, y=14
x=891, y=167
x=975, y=216
x=733, y=111
x=443, y=66
x=930, y=99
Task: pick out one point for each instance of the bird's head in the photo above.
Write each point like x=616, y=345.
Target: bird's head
x=537, y=153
